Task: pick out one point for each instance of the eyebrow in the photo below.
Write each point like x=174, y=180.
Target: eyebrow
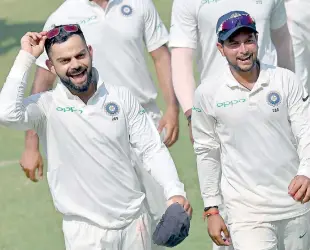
x=232, y=40
x=83, y=51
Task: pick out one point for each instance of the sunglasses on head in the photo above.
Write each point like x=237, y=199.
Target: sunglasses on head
x=236, y=21
x=69, y=28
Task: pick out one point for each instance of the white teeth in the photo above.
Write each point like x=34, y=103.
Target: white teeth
x=244, y=59
x=77, y=73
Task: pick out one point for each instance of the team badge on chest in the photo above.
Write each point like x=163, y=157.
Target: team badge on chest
x=112, y=108
x=274, y=98
x=126, y=10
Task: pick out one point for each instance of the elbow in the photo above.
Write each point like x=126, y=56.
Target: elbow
x=9, y=116
x=161, y=55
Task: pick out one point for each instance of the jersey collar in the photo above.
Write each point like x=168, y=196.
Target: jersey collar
x=263, y=79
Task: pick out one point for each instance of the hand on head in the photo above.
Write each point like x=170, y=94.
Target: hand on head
x=33, y=43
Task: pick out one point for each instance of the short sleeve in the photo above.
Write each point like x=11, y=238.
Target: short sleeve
x=155, y=32
x=183, y=29
x=278, y=16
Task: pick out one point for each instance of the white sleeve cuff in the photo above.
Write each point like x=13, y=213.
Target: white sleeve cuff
x=304, y=171
x=173, y=189
x=212, y=201
x=157, y=45
x=182, y=44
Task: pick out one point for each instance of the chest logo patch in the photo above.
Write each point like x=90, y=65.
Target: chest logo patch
x=274, y=98
x=111, y=108
x=126, y=10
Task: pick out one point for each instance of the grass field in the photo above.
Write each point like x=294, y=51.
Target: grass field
x=28, y=220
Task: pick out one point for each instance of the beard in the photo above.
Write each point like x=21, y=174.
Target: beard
x=73, y=87
x=243, y=70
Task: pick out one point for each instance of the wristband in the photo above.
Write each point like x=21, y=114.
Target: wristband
x=207, y=214
x=207, y=208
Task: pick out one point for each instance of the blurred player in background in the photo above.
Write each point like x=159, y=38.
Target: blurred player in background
x=118, y=32
x=245, y=119
x=192, y=33
x=298, y=13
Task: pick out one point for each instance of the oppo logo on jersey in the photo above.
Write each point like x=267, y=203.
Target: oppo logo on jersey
x=209, y=1
x=229, y=103
x=69, y=109
x=87, y=20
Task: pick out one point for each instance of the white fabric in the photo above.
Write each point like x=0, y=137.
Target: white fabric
x=118, y=40
x=81, y=234
x=289, y=234
x=193, y=25
x=90, y=172
x=298, y=23
x=251, y=140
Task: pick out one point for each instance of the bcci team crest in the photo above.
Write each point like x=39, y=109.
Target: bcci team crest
x=126, y=10
x=274, y=98
x=112, y=108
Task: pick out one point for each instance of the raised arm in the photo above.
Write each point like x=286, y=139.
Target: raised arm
x=15, y=110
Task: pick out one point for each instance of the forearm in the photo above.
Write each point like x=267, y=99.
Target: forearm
x=183, y=77
x=285, y=55
x=31, y=140
x=162, y=168
x=162, y=62
x=209, y=174
x=282, y=41
x=12, y=111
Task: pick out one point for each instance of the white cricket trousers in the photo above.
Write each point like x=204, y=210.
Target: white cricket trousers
x=289, y=234
x=80, y=234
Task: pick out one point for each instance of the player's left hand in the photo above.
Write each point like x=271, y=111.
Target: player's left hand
x=183, y=202
x=170, y=121
x=299, y=188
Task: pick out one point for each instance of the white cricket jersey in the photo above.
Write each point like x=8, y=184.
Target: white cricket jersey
x=118, y=36
x=88, y=147
x=193, y=25
x=249, y=135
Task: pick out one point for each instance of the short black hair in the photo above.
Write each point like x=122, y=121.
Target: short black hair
x=62, y=37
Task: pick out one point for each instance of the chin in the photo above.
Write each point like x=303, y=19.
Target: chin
x=246, y=68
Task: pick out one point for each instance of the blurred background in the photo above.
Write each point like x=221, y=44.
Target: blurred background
x=28, y=220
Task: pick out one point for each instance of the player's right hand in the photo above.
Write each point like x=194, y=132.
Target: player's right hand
x=32, y=162
x=33, y=43
x=216, y=226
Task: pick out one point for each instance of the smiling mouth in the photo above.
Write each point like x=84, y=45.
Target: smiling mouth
x=78, y=74
x=245, y=58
